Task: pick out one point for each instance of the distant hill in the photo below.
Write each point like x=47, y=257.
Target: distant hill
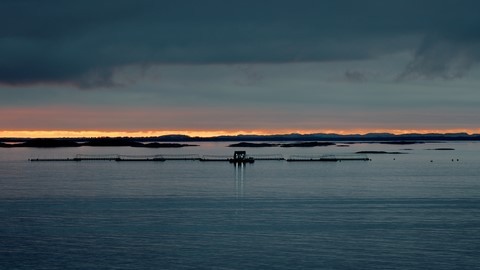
x=377, y=137
x=294, y=137
x=300, y=144
x=98, y=142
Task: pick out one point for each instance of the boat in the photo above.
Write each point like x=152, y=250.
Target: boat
x=241, y=157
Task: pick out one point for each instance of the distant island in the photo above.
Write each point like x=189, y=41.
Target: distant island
x=386, y=138
x=301, y=144
x=98, y=142
x=299, y=140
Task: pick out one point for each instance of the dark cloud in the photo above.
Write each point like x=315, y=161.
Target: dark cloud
x=443, y=58
x=84, y=42
x=355, y=76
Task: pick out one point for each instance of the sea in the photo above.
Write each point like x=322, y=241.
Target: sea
x=416, y=210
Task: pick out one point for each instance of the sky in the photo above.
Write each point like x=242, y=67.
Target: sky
x=144, y=68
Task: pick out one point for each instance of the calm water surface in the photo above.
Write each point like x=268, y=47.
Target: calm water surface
x=419, y=210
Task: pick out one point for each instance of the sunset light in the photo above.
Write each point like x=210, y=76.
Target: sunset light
x=213, y=133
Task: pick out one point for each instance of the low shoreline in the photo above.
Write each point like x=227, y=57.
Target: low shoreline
x=103, y=142
x=287, y=140
x=386, y=138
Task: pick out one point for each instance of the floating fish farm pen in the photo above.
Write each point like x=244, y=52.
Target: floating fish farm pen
x=255, y=157
x=83, y=157
x=238, y=157
x=328, y=157
x=140, y=158
x=267, y=157
x=215, y=158
x=157, y=157
x=182, y=157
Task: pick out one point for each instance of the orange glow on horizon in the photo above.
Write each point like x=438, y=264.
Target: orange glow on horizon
x=209, y=133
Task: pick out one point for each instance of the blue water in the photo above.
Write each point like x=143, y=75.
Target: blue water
x=419, y=210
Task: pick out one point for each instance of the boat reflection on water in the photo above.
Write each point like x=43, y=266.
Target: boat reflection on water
x=239, y=180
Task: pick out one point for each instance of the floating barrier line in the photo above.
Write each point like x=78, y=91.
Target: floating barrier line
x=266, y=157
x=181, y=157
x=52, y=159
x=195, y=157
x=214, y=158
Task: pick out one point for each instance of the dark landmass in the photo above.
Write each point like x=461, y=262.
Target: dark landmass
x=112, y=142
x=442, y=149
x=247, y=144
x=307, y=144
x=353, y=138
x=380, y=152
x=370, y=137
x=44, y=143
x=402, y=142
x=167, y=145
x=99, y=142
x=343, y=145
x=302, y=144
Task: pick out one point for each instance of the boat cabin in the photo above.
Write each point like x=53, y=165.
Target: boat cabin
x=239, y=155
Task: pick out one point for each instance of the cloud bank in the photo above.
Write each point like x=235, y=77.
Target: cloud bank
x=83, y=43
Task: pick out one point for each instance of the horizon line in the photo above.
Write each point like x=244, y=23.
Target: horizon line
x=24, y=134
